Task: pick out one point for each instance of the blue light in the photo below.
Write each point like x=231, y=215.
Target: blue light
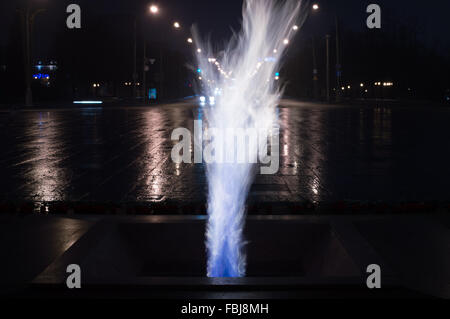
x=41, y=76
x=277, y=74
x=199, y=70
x=152, y=94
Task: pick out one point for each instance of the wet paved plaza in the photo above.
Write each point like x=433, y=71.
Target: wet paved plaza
x=328, y=153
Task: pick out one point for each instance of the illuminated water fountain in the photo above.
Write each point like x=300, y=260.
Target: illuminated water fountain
x=243, y=79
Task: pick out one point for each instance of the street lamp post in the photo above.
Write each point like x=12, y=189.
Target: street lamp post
x=28, y=92
x=161, y=77
x=28, y=16
x=144, y=70
x=315, y=71
x=153, y=10
x=328, y=67
x=338, y=61
x=135, y=59
x=338, y=54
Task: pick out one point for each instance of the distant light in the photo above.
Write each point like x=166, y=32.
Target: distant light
x=200, y=78
x=189, y=40
x=349, y=87
x=366, y=91
x=176, y=25
x=154, y=9
x=343, y=88
x=202, y=99
x=212, y=100
x=295, y=27
x=275, y=51
x=315, y=6
x=277, y=74
x=361, y=85
x=286, y=41
x=87, y=102
x=277, y=78
x=199, y=70
x=199, y=50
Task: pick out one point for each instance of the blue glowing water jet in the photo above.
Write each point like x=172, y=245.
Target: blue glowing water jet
x=243, y=73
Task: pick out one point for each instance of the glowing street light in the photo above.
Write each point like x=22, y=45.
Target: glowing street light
x=189, y=40
x=176, y=25
x=315, y=6
x=199, y=50
x=295, y=27
x=286, y=41
x=154, y=9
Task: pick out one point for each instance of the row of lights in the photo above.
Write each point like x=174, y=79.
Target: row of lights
x=155, y=10
x=258, y=66
x=376, y=84
x=384, y=84
x=97, y=85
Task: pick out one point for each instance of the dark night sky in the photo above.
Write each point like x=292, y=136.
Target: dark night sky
x=216, y=17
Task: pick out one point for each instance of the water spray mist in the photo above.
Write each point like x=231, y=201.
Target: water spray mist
x=244, y=83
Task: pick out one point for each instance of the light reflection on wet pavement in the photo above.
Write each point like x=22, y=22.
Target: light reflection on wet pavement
x=328, y=153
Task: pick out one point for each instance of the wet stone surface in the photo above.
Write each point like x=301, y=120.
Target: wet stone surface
x=122, y=155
